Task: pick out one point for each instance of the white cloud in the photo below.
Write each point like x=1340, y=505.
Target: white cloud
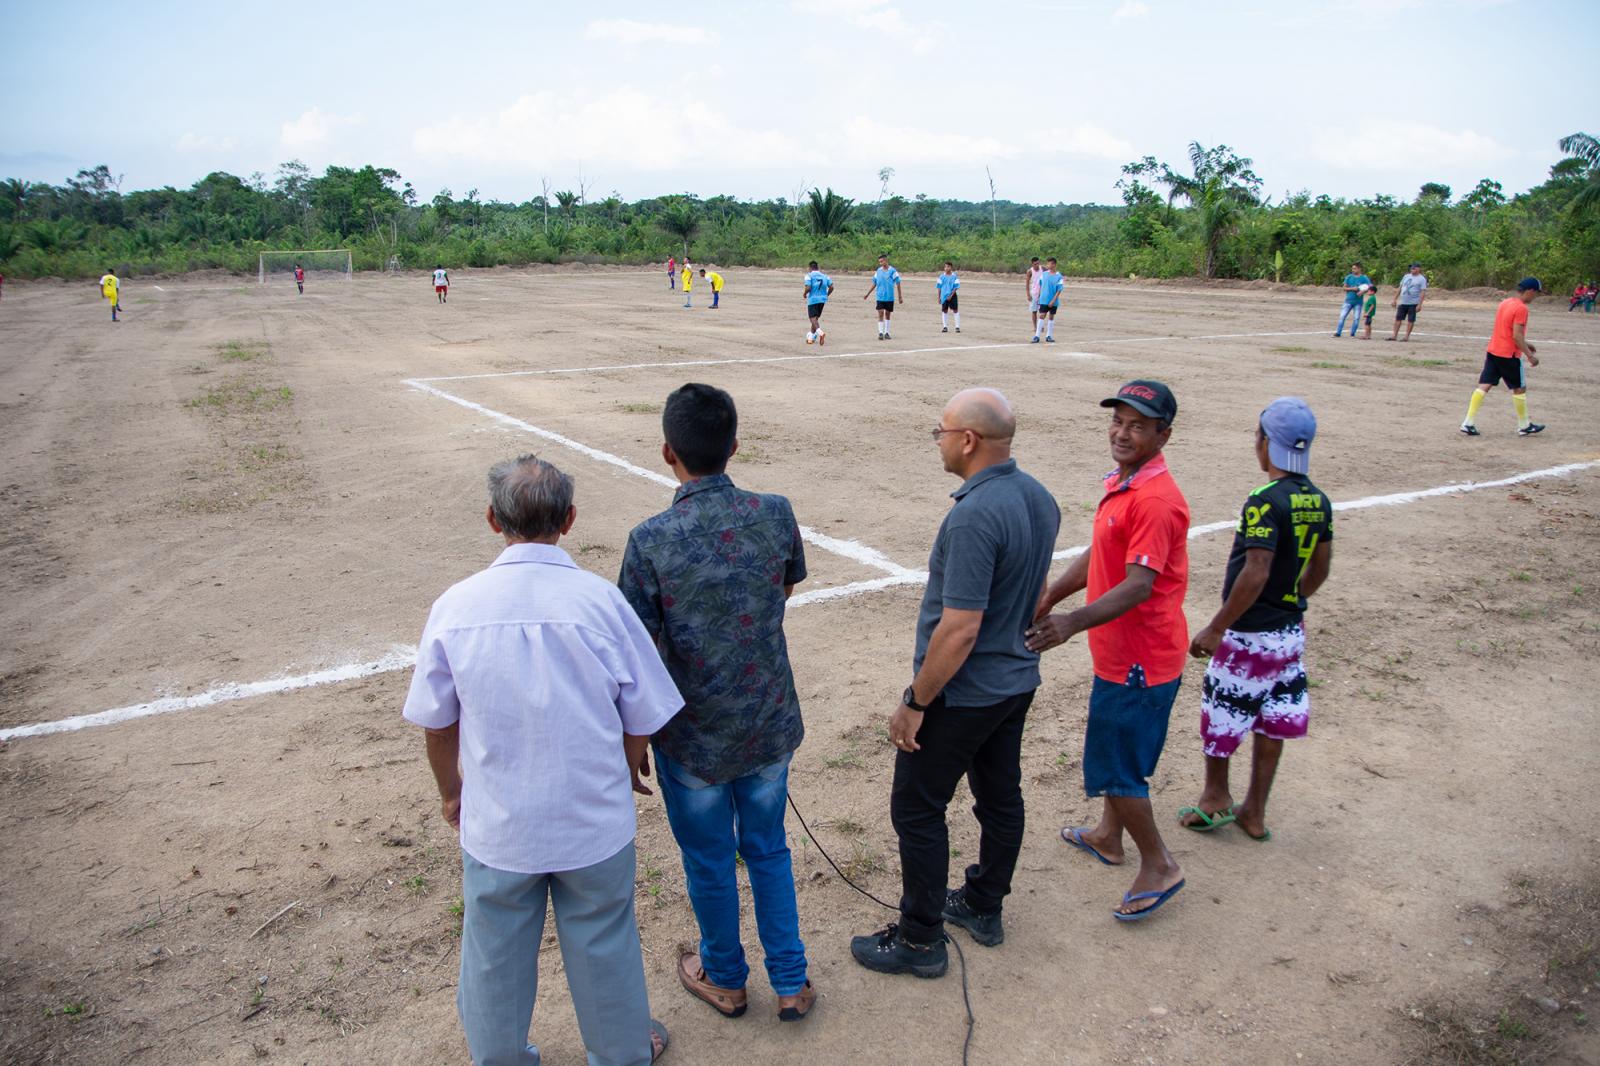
x=880, y=17
x=1085, y=138
x=872, y=142
x=204, y=142
x=1131, y=9
x=624, y=127
x=1389, y=145
x=313, y=129
x=629, y=31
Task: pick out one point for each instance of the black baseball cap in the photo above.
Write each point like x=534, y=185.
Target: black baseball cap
x=1530, y=283
x=1149, y=398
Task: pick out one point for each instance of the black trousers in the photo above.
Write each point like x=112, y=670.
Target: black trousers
x=984, y=744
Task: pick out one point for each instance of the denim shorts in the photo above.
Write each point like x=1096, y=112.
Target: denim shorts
x=1127, y=730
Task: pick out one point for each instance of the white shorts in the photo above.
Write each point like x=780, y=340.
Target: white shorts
x=1033, y=303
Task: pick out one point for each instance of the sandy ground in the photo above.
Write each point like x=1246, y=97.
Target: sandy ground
x=236, y=484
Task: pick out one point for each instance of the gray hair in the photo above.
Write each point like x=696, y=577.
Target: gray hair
x=529, y=496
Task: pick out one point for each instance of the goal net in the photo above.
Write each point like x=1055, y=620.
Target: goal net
x=279, y=266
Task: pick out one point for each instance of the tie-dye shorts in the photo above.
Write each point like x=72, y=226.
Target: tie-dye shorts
x=1255, y=683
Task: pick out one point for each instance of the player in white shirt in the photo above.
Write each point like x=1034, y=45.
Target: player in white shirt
x=441, y=283
x=1035, y=272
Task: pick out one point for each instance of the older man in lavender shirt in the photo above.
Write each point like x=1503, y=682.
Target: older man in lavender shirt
x=539, y=689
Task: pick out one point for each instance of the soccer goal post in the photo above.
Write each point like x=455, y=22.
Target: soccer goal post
x=323, y=261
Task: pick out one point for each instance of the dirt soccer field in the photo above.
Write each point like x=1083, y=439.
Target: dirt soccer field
x=236, y=485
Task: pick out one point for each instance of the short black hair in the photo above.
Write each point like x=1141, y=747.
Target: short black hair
x=949, y=263
x=1052, y=259
x=701, y=424
x=1035, y=259
x=813, y=265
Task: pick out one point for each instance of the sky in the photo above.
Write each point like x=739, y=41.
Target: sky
x=766, y=99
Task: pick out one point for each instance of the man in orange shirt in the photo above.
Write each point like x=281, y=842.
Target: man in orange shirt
x=1503, y=362
x=1136, y=571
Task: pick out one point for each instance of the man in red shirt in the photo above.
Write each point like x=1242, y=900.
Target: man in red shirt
x=1136, y=571
x=1503, y=361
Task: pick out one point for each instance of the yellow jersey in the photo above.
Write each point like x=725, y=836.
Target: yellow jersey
x=716, y=281
x=688, y=279
x=108, y=286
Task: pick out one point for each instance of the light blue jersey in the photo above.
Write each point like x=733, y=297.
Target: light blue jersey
x=817, y=285
x=886, y=278
x=947, y=284
x=1050, y=285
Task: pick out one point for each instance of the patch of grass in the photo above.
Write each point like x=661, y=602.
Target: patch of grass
x=1521, y=575
x=639, y=408
x=1324, y=365
x=849, y=827
x=241, y=351
x=863, y=863
x=417, y=885
x=585, y=548
x=1291, y=348
x=850, y=760
x=1452, y=1034
x=1404, y=361
x=749, y=453
x=240, y=396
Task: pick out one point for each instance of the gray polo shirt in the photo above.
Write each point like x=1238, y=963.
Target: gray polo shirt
x=992, y=554
x=1411, y=288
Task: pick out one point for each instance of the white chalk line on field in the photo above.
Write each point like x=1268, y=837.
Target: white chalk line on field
x=855, y=551
x=1393, y=499
x=401, y=659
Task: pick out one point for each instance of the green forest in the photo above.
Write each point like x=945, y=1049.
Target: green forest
x=1205, y=216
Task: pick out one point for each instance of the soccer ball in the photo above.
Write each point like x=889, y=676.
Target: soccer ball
x=810, y=337
x=1364, y=288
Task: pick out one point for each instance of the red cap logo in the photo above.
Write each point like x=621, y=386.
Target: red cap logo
x=1143, y=392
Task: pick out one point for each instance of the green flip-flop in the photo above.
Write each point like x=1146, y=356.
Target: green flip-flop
x=1207, y=822
x=1265, y=836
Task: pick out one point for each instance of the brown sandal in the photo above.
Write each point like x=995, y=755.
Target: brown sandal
x=728, y=1002
x=794, y=1008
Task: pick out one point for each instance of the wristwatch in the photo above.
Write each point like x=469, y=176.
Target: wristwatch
x=910, y=700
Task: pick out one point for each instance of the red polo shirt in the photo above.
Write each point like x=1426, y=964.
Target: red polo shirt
x=1143, y=520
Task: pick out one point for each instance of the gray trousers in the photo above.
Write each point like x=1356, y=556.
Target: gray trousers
x=501, y=929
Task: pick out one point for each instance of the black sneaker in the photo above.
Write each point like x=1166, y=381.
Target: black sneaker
x=986, y=929
x=1530, y=429
x=944, y=329
x=886, y=951
x=1472, y=431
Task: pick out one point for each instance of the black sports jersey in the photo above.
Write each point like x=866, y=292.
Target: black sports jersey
x=1288, y=517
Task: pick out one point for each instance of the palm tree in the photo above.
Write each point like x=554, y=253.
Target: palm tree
x=830, y=212
x=568, y=201
x=1586, y=148
x=1222, y=186
x=680, y=220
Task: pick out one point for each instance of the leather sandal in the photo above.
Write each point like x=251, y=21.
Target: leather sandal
x=796, y=1007
x=728, y=1002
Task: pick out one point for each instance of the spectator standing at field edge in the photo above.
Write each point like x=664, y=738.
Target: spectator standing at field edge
x=1255, y=678
x=1508, y=344
x=972, y=683
x=1408, y=299
x=538, y=689
x=1136, y=571
x=1355, y=289
x=709, y=578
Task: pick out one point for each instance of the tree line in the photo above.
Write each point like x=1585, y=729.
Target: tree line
x=1205, y=217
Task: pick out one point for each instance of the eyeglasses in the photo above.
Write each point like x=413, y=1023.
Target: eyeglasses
x=939, y=431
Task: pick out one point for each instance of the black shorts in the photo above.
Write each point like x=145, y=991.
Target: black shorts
x=950, y=304
x=1370, y=317
x=1497, y=368
x=886, y=305
x=1048, y=310
x=815, y=310
x=1405, y=313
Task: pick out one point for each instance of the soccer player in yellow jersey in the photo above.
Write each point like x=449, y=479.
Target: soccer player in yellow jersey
x=688, y=282
x=110, y=288
x=716, y=286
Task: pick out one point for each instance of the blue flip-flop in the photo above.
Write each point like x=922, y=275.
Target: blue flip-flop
x=1159, y=897
x=1071, y=836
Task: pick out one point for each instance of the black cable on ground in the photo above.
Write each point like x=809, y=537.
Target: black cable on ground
x=966, y=995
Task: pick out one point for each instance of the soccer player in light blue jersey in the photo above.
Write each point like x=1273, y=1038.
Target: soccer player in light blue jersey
x=947, y=284
x=886, y=286
x=1050, y=285
x=818, y=287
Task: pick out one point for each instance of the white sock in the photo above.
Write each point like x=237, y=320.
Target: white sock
x=1038, y=327
x=883, y=327
x=944, y=319
x=1049, y=327
x=958, y=320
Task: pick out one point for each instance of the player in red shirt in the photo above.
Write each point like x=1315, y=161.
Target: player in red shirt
x=1136, y=571
x=300, y=279
x=1503, y=361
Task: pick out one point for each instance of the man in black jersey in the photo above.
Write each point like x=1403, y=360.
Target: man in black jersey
x=1255, y=682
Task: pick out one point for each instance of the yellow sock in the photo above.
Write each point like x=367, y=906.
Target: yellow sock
x=1521, y=404
x=1473, y=405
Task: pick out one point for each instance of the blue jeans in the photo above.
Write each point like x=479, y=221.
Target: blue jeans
x=501, y=928
x=1348, y=309
x=715, y=823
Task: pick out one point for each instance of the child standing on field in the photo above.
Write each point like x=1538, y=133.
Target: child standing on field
x=672, y=272
x=1369, y=309
x=716, y=286
x=300, y=279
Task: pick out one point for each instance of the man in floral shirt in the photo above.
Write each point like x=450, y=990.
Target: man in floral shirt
x=709, y=578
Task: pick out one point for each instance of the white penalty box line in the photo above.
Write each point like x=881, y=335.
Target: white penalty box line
x=404, y=658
